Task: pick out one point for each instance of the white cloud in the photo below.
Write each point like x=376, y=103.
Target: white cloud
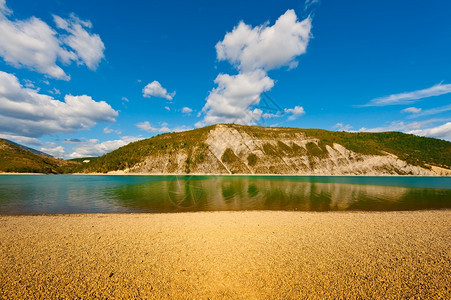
x=421, y=128
x=264, y=47
x=167, y=108
x=26, y=112
x=401, y=126
x=88, y=47
x=342, y=127
x=231, y=101
x=125, y=99
x=294, y=112
x=412, y=110
x=410, y=97
x=4, y=9
x=33, y=44
x=271, y=115
x=253, y=51
x=29, y=84
x=442, y=131
x=187, y=110
x=94, y=148
x=147, y=127
x=310, y=3
x=109, y=130
x=21, y=139
x=156, y=90
x=432, y=111
x=57, y=151
x=55, y=91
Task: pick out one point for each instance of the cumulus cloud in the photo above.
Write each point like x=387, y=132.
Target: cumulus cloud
x=230, y=102
x=33, y=44
x=412, y=110
x=155, y=89
x=411, y=97
x=26, y=112
x=295, y=112
x=21, y=139
x=441, y=132
x=88, y=47
x=266, y=47
x=253, y=51
x=146, y=126
x=95, y=148
x=57, y=151
x=187, y=110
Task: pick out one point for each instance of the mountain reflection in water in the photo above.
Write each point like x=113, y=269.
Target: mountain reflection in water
x=248, y=193
x=54, y=194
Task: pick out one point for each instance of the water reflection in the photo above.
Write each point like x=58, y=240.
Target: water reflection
x=105, y=194
x=247, y=193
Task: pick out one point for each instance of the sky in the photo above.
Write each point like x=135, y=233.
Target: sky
x=82, y=78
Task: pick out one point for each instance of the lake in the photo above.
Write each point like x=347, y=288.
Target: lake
x=55, y=194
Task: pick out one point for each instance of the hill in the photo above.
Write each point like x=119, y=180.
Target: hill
x=239, y=149
x=28, y=148
x=21, y=159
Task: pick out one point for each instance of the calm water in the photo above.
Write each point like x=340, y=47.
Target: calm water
x=50, y=194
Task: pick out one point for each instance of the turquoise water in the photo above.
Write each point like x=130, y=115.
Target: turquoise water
x=53, y=194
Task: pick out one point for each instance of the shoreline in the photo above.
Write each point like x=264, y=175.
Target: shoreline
x=233, y=175
x=91, y=214
x=239, y=255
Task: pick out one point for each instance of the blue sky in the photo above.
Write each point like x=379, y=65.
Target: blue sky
x=81, y=78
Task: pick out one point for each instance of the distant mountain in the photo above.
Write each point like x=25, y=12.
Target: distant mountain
x=28, y=148
x=238, y=149
x=21, y=159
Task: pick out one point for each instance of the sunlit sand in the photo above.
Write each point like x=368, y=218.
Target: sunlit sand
x=227, y=255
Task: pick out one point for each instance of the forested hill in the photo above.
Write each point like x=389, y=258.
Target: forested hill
x=239, y=149
x=21, y=159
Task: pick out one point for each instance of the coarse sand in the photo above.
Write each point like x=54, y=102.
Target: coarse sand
x=237, y=255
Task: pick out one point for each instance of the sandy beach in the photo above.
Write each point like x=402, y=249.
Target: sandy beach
x=239, y=255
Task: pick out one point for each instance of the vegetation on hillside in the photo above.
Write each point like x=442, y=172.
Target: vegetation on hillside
x=19, y=160
x=415, y=150
x=419, y=151
x=133, y=153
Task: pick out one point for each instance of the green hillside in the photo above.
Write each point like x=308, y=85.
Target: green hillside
x=239, y=149
x=133, y=153
x=17, y=159
x=417, y=151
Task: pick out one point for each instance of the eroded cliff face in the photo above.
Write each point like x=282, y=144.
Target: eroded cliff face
x=227, y=149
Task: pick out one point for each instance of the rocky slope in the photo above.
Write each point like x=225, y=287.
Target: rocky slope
x=237, y=149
